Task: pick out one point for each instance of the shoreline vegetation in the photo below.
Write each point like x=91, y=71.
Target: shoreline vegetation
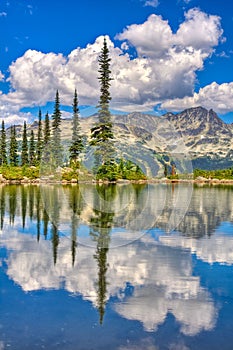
x=63, y=176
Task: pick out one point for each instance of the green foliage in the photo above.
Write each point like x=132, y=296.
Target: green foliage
x=130, y=171
x=39, y=146
x=3, y=154
x=214, y=174
x=24, y=151
x=57, y=149
x=11, y=172
x=19, y=172
x=69, y=175
x=107, y=171
x=47, y=132
x=31, y=172
x=13, y=156
x=125, y=169
x=77, y=143
x=173, y=177
x=32, y=149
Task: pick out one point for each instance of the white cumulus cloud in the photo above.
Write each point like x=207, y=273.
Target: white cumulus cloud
x=216, y=96
x=199, y=30
x=165, y=60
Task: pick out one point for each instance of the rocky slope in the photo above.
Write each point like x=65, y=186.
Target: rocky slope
x=195, y=137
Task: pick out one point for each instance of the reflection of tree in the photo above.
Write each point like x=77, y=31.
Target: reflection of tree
x=45, y=223
x=38, y=218
x=55, y=206
x=12, y=202
x=2, y=205
x=24, y=198
x=31, y=201
x=101, y=224
x=55, y=241
x=74, y=226
x=52, y=202
x=76, y=204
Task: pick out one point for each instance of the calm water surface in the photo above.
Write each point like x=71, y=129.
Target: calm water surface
x=116, y=267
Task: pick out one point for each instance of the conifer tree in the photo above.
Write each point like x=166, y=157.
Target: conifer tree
x=24, y=152
x=39, y=146
x=56, y=133
x=13, y=156
x=32, y=155
x=101, y=133
x=3, y=154
x=77, y=143
x=47, y=132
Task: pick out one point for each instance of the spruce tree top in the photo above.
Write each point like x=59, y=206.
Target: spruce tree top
x=104, y=70
x=57, y=113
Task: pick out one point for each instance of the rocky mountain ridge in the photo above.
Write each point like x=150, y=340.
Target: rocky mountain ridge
x=195, y=134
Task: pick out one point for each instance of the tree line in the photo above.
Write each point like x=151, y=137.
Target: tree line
x=30, y=150
x=47, y=143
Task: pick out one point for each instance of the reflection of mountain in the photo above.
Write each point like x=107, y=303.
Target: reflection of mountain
x=195, y=212
x=209, y=206
x=161, y=278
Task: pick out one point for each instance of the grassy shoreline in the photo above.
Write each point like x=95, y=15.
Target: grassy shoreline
x=39, y=181
x=33, y=175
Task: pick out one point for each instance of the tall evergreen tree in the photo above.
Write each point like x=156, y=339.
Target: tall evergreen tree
x=102, y=133
x=13, y=156
x=56, y=133
x=32, y=149
x=47, y=132
x=77, y=142
x=3, y=154
x=24, y=152
x=39, y=146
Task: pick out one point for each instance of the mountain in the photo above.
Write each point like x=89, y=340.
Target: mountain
x=208, y=139
x=196, y=134
x=195, y=138
x=199, y=127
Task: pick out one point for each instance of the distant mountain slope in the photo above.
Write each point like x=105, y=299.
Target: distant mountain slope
x=203, y=131
x=152, y=141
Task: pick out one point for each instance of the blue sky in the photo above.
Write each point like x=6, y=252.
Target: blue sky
x=167, y=55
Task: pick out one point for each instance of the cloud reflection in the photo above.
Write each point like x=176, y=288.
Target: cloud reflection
x=217, y=249
x=160, y=276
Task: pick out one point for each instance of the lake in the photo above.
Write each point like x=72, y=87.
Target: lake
x=126, y=267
